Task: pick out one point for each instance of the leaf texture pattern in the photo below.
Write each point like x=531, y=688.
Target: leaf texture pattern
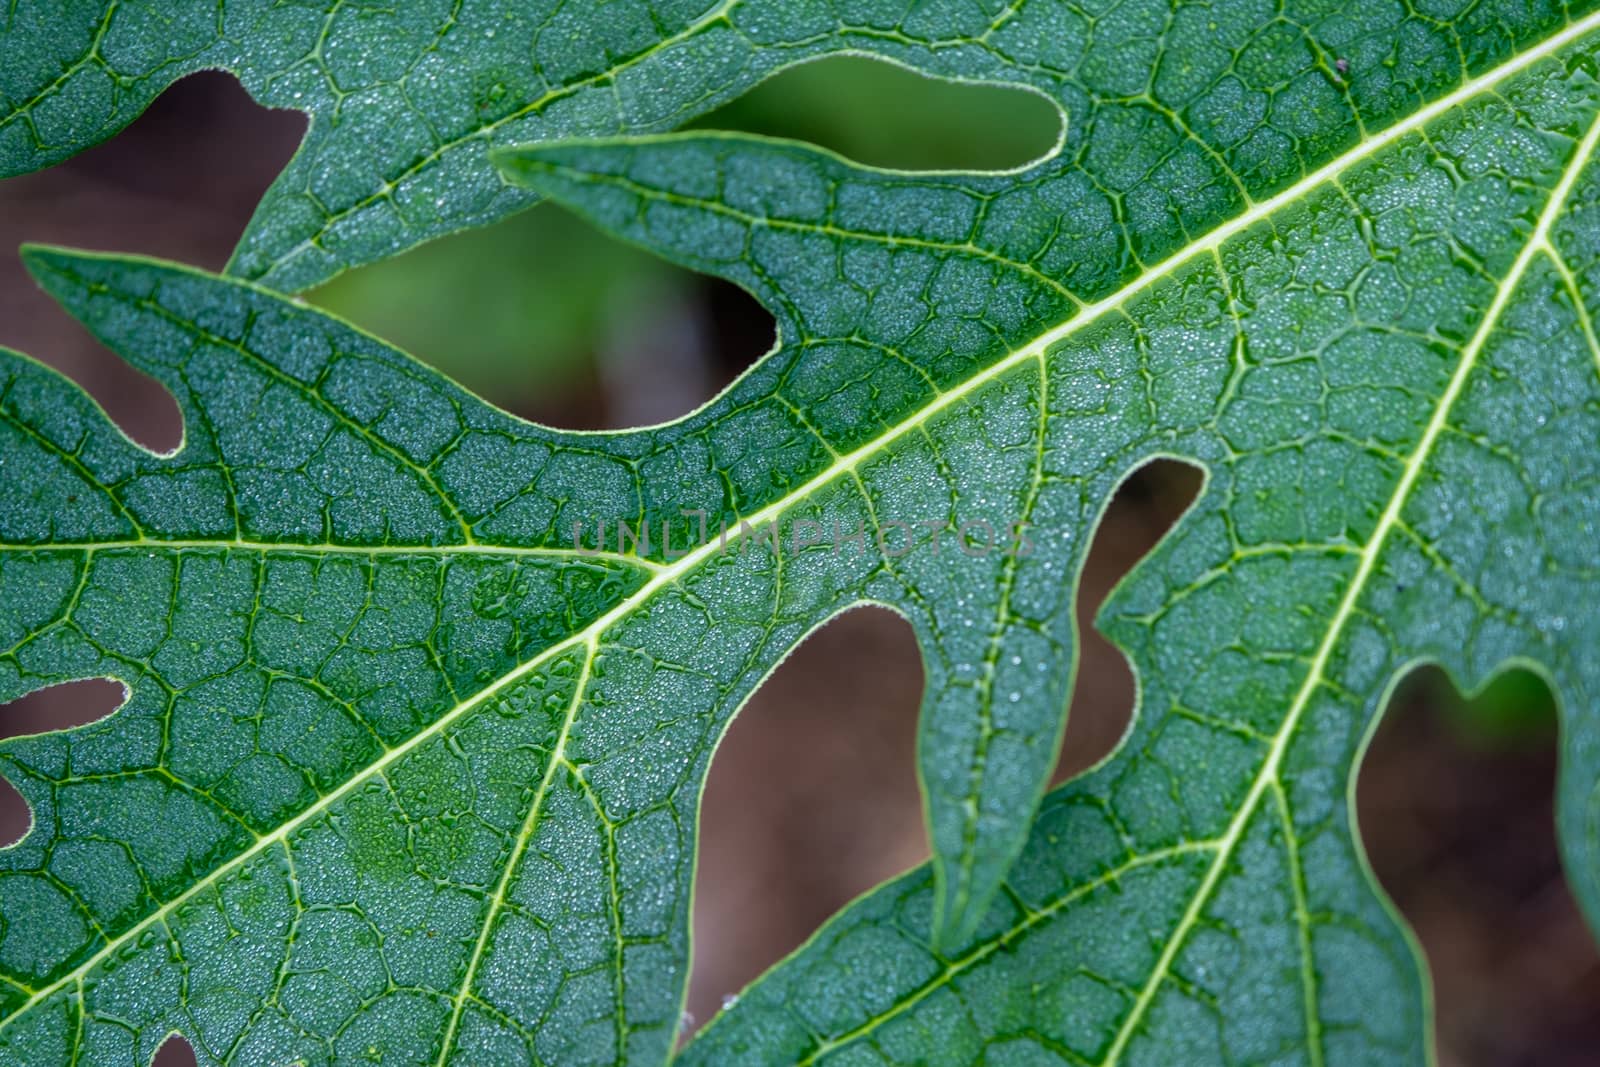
x=406, y=774
x=1177, y=112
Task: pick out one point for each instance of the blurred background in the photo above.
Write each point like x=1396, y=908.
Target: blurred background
x=812, y=797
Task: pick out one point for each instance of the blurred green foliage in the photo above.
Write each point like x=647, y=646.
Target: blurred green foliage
x=886, y=116
x=510, y=311
x=1515, y=709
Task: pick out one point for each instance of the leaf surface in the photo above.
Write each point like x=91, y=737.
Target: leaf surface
x=406, y=101
x=403, y=775
x=1397, y=408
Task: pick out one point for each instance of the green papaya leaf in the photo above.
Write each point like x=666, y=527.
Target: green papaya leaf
x=399, y=741
x=408, y=772
x=1389, y=374
x=406, y=100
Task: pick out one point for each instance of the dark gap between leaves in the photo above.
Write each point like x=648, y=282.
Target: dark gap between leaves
x=811, y=800
x=179, y=183
x=1146, y=505
x=1455, y=806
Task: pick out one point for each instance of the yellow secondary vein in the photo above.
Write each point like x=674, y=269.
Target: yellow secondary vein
x=1030, y=919
x=1302, y=922
x=520, y=846
x=845, y=465
x=291, y=548
x=1267, y=777
x=1571, y=284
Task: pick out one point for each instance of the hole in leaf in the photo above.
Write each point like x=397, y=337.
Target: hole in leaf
x=203, y=148
x=885, y=115
x=811, y=800
x=547, y=317
x=175, y=1051
x=1455, y=803
x=180, y=183
x=61, y=706
x=1146, y=505
x=15, y=819
x=57, y=707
